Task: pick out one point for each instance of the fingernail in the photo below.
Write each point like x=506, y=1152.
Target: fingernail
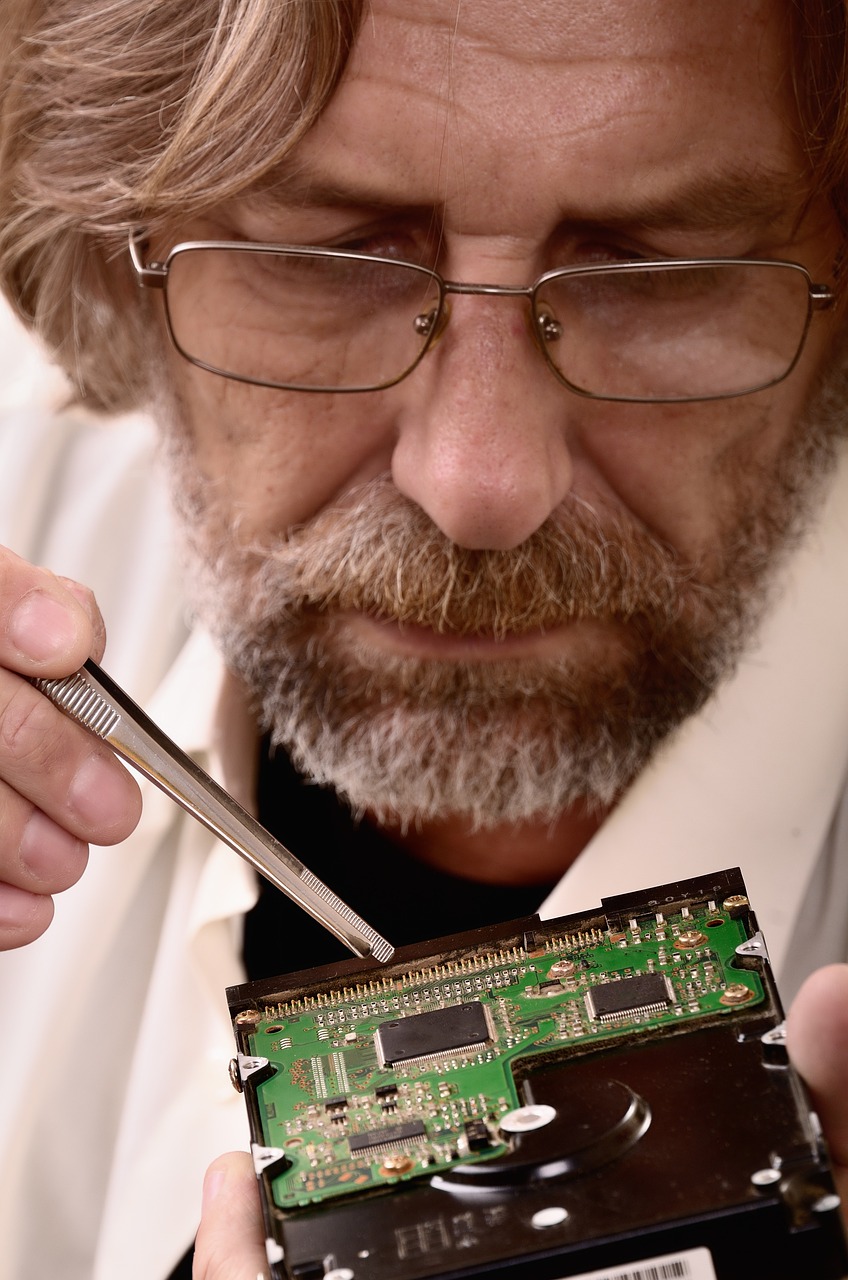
x=17, y=907
x=46, y=849
x=212, y=1184
x=98, y=793
x=41, y=628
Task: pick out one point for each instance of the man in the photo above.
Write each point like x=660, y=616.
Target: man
x=471, y=554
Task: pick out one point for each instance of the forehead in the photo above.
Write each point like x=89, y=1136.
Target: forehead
x=451, y=97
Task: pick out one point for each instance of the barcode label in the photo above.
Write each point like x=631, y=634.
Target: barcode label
x=694, y=1264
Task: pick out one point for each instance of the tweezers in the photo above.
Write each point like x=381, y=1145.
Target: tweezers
x=94, y=700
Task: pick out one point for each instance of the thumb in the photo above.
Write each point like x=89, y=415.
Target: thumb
x=817, y=1032
x=230, y=1242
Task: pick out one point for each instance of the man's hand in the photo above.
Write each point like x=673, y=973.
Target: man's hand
x=817, y=1028
x=59, y=787
x=230, y=1243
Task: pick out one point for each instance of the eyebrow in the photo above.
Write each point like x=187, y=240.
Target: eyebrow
x=754, y=198
x=301, y=190
x=722, y=201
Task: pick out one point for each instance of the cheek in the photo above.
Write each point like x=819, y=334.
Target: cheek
x=682, y=470
x=277, y=458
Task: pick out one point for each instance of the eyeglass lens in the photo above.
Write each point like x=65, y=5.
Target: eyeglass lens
x=341, y=323
x=301, y=321
x=674, y=332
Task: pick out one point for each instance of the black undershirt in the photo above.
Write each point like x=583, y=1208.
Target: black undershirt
x=403, y=899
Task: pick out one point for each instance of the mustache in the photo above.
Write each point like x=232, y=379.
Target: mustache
x=380, y=554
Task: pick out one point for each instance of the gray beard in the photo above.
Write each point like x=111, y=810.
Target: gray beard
x=411, y=740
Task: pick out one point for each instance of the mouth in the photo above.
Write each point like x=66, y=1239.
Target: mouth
x=571, y=640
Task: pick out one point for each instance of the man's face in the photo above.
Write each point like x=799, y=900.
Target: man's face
x=498, y=141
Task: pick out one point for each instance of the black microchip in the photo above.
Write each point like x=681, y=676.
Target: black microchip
x=335, y=1104
x=644, y=993
x=385, y=1091
x=477, y=1134
x=426, y=1035
x=386, y=1136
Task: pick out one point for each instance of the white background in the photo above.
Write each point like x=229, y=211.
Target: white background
x=26, y=376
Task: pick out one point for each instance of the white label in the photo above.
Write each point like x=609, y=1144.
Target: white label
x=693, y=1264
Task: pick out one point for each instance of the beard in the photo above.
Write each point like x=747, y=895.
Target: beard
x=412, y=740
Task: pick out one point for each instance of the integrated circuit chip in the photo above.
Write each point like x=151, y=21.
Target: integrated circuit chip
x=428, y=1035
x=388, y=1135
x=642, y=994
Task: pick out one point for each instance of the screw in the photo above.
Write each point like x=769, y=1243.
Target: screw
x=248, y=1018
x=735, y=901
x=689, y=938
x=826, y=1204
x=736, y=993
x=550, y=1217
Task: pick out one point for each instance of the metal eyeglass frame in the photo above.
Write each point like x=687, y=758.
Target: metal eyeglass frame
x=154, y=275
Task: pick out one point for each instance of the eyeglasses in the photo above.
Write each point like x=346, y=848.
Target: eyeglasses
x=329, y=320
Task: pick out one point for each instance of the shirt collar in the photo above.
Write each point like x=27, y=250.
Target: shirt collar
x=753, y=779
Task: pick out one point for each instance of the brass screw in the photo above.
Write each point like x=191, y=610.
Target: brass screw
x=235, y=1078
x=395, y=1163
x=736, y=993
x=735, y=901
x=689, y=938
x=248, y=1018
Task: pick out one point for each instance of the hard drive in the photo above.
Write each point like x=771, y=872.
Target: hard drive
x=604, y=1096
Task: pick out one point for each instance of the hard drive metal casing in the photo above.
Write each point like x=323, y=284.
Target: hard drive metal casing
x=649, y=1127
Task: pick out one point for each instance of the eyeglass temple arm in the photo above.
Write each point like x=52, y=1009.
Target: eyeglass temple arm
x=152, y=276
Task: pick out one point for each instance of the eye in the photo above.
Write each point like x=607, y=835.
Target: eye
x=609, y=251
x=402, y=240
x=399, y=247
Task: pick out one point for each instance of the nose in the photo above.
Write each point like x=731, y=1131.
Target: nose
x=481, y=434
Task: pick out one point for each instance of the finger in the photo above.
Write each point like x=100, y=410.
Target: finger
x=49, y=627
x=85, y=597
x=817, y=1032
x=23, y=916
x=230, y=1241
x=60, y=788
x=62, y=769
x=45, y=629
x=50, y=859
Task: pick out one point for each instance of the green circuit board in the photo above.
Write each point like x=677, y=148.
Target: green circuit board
x=409, y=1074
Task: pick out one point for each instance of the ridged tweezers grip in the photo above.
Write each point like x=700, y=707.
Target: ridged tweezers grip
x=75, y=696
x=380, y=948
